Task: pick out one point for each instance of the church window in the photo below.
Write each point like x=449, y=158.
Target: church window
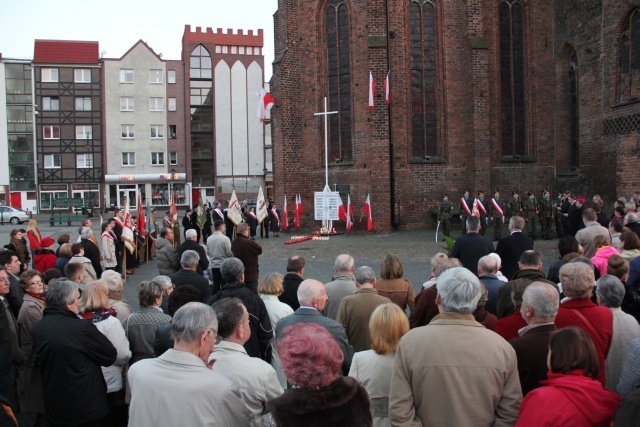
x=630, y=59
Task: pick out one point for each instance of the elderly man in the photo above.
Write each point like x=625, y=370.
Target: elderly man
x=487, y=273
x=631, y=222
x=191, y=244
x=342, y=284
x=591, y=229
x=292, y=280
x=70, y=351
x=539, y=308
x=312, y=296
x=255, y=378
x=218, y=249
x=91, y=249
x=11, y=263
x=469, y=248
x=610, y=291
x=179, y=388
x=454, y=371
x=259, y=344
x=355, y=310
x=247, y=250
x=166, y=254
x=188, y=275
x=512, y=246
x=167, y=289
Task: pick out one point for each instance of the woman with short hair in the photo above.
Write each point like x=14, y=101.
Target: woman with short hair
x=604, y=251
x=374, y=368
x=571, y=396
x=115, y=284
x=64, y=258
x=392, y=285
x=629, y=246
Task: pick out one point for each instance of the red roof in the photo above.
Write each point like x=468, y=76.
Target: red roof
x=66, y=52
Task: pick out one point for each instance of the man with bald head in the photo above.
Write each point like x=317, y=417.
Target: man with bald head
x=487, y=273
x=539, y=307
x=312, y=297
x=343, y=284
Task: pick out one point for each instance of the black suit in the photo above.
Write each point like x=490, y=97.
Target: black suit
x=290, y=284
x=574, y=220
x=190, y=245
x=190, y=277
x=532, y=349
x=510, y=248
x=92, y=252
x=470, y=248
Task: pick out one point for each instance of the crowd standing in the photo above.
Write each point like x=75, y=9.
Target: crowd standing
x=493, y=338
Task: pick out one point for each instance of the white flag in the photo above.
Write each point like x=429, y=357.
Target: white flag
x=233, y=212
x=261, y=206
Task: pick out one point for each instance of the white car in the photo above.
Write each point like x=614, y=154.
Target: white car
x=13, y=215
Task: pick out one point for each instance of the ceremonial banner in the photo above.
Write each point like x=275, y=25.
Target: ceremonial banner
x=127, y=232
x=233, y=212
x=497, y=207
x=477, y=205
x=367, y=211
x=201, y=217
x=265, y=103
x=285, y=216
x=372, y=90
x=173, y=210
x=298, y=211
x=349, y=213
x=342, y=211
x=142, y=221
x=465, y=206
x=261, y=206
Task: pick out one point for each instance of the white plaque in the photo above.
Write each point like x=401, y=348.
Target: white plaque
x=333, y=201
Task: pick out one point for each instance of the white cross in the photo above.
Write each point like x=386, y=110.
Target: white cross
x=325, y=222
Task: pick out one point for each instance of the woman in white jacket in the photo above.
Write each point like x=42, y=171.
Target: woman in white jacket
x=108, y=246
x=94, y=307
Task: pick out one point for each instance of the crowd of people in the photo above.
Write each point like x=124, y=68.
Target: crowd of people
x=492, y=338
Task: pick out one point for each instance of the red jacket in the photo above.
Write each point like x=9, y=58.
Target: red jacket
x=568, y=401
x=508, y=327
x=601, y=321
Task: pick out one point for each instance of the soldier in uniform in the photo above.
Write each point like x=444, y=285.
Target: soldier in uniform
x=514, y=206
x=557, y=215
x=545, y=211
x=483, y=207
x=497, y=213
x=444, y=215
x=530, y=212
x=466, y=205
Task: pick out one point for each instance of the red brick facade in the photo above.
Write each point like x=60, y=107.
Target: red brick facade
x=469, y=116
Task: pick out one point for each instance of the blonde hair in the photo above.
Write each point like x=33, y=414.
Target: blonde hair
x=33, y=227
x=271, y=284
x=94, y=295
x=578, y=280
x=388, y=323
x=437, y=259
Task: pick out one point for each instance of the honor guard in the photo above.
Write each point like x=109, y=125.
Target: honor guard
x=546, y=213
x=482, y=207
x=466, y=205
x=514, y=206
x=530, y=212
x=497, y=213
x=444, y=215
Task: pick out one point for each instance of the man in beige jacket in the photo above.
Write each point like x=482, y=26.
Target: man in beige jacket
x=454, y=372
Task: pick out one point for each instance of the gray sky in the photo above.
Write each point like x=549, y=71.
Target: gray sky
x=118, y=24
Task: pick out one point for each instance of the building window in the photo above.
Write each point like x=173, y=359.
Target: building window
x=156, y=104
x=83, y=132
x=128, y=159
x=249, y=51
x=630, y=58
x=84, y=161
x=157, y=159
x=423, y=55
x=512, y=78
x=241, y=50
x=171, y=76
x=49, y=75
x=50, y=132
x=52, y=161
x=155, y=76
x=157, y=131
x=172, y=131
x=338, y=79
x=50, y=103
x=83, y=103
x=126, y=103
x=126, y=76
x=47, y=198
x=200, y=63
x=172, y=104
x=82, y=75
x=173, y=158
x=127, y=132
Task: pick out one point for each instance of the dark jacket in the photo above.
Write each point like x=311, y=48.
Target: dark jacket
x=504, y=305
x=532, y=349
x=167, y=257
x=493, y=284
x=69, y=352
x=61, y=264
x=259, y=344
x=163, y=340
x=6, y=352
x=15, y=295
x=510, y=248
x=190, y=277
x=344, y=402
x=470, y=248
x=190, y=245
x=92, y=252
x=574, y=220
x=425, y=308
x=247, y=251
x=290, y=284
x=635, y=227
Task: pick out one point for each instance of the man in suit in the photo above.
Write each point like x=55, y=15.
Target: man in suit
x=539, y=308
x=11, y=263
x=512, y=246
x=313, y=297
x=291, y=281
x=472, y=246
x=191, y=244
x=248, y=251
x=487, y=273
x=187, y=275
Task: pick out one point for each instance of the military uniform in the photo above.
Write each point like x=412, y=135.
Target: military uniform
x=463, y=212
x=557, y=215
x=514, y=207
x=498, y=217
x=482, y=203
x=545, y=211
x=530, y=212
x=444, y=216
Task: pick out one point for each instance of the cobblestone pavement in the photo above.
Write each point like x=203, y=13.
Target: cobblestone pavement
x=414, y=247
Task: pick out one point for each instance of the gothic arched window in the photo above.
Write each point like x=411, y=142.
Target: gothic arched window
x=512, y=78
x=339, y=80
x=630, y=58
x=422, y=54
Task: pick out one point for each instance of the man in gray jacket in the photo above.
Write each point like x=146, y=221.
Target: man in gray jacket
x=166, y=254
x=343, y=284
x=218, y=249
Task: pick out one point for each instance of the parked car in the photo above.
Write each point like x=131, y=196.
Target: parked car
x=14, y=215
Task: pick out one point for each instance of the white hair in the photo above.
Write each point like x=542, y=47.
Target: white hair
x=459, y=290
x=191, y=234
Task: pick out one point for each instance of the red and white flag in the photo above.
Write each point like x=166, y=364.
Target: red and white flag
x=173, y=210
x=349, y=213
x=386, y=90
x=367, y=211
x=297, y=212
x=479, y=207
x=142, y=221
x=285, y=216
x=372, y=90
x=342, y=211
x=127, y=232
x=265, y=103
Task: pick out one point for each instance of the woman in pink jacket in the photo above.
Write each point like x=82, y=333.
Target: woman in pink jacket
x=603, y=251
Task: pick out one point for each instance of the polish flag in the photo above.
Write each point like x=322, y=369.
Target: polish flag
x=127, y=232
x=285, y=216
x=173, y=210
x=372, y=90
x=367, y=211
x=265, y=103
x=342, y=212
x=142, y=222
x=349, y=213
x=297, y=212
x=386, y=90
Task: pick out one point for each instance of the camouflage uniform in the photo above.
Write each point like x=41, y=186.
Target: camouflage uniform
x=483, y=215
x=444, y=216
x=498, y=218
x=463, y=212
x=530, y=212
x=545, y=211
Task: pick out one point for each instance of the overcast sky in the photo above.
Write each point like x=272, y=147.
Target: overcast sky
x=119, y=24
